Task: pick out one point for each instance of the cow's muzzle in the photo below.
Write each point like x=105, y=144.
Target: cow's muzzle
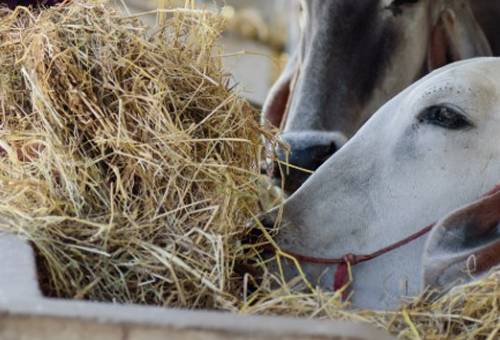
x=302, y=154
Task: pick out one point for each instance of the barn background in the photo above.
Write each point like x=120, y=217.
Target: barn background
x=256, y=42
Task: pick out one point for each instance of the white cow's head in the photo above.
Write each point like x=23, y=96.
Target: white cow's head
x=432, y=149
x=355, y=55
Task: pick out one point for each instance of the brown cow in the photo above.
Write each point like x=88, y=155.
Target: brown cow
x=355, y=55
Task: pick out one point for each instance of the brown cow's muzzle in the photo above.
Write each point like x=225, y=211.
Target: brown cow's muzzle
x=302, y=155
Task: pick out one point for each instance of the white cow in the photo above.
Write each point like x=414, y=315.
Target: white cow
x=432, y=149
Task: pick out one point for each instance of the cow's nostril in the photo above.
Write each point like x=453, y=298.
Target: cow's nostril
x=330, y=151
x=322, y=154
x=333, y=148
x=304, y=154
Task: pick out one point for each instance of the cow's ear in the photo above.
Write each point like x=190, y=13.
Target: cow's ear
x=456, y=35
x=464, y=246
x=276, y=105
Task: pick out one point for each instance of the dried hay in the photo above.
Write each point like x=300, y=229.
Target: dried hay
x=128, y=161
x=133, y=169
x=468, y=312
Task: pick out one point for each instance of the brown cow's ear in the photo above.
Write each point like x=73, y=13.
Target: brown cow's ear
x=439, y=48
x=276, y=105
x=464, y=246
x=456, y=36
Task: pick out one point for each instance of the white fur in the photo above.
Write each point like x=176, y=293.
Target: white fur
x=396, y=176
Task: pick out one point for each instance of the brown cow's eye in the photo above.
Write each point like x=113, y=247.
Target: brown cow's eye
x=403, y=2
x=396, y=7
x=445, y=117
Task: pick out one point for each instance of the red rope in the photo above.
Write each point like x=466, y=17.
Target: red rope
x=341, y=277
x=354, y=259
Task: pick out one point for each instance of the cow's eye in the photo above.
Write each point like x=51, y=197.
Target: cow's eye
x=396, y=6
x=403, y=2
x=445, y=116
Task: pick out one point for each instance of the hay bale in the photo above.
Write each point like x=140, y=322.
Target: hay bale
x=127, y=160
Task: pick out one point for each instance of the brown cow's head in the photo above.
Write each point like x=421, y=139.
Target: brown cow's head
x=354, y=55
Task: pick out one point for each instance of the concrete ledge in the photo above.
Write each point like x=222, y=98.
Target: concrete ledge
x=17, y=270
x=26, y=314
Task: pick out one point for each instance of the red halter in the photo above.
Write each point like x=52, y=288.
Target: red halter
x=341, y=278
x=343, y=263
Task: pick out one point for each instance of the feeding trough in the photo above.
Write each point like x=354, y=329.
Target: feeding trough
x=26, y=314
